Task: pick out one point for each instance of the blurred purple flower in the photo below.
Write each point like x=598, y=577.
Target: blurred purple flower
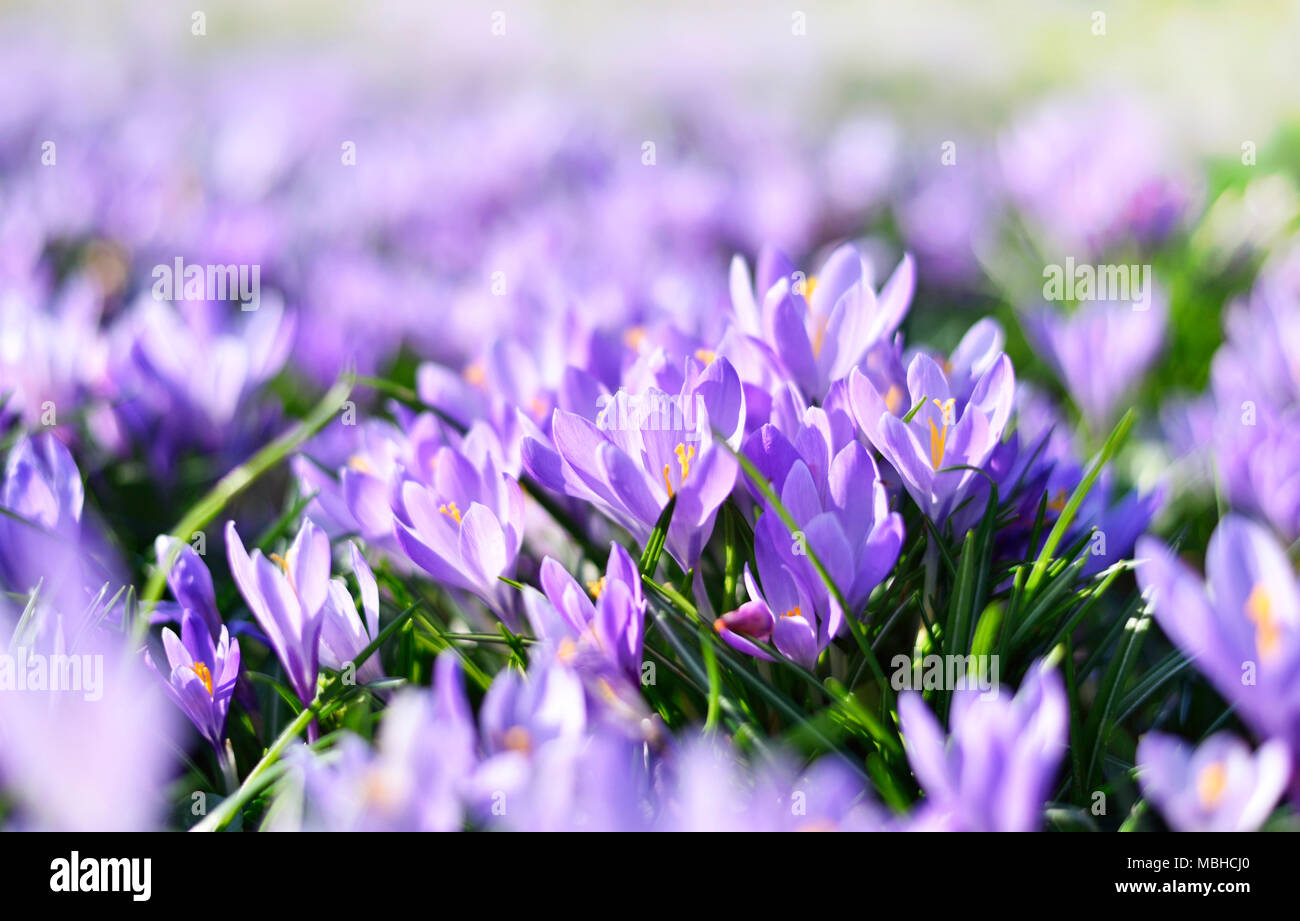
x=820, y=327
x=1101, y=351
x=1219, y=786
x=994, y=773
x=1241, y=627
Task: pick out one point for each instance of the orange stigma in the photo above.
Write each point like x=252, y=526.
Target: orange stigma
x=1211, y=783
x=201, y=669
x=517, y=739
x=450, y=510
x=1259, y=610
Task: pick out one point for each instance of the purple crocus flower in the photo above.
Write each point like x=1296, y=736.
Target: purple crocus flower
x=612, y=627
x=43, y=537
x=91, y=758
x=783, y=613
x=995, y=770
x=416, y=776
x=1219, y=786
x=524, y=718
x=287, y=595
x=711, y=789
x=43, y=492
x=343, y=634
x=202, y=675
x=644, y=450
x=841, y=513
x=942, y=434
x=822, y=326
x=465, y=526
x=1101, y=351
x=190, y=583
x=1241, y=627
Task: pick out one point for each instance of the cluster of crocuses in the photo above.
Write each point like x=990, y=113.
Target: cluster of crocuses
x=614, y=457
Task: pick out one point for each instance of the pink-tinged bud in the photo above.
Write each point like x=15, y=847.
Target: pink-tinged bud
x=752, y=619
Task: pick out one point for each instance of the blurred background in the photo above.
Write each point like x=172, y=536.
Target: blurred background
x=418, y=180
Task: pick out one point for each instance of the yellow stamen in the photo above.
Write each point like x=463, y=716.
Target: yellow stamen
x=894, y=399
x=937, y=440
x=1259, y=609
x=806, y=287
x=634, y=337
x=685, y=455
x=201, y=669
x=450, y=510
x=567, y=652
x=359, y=463
x=475, y=374
x=517, y=739
x=596, y=587
x=795, y=611
x=819, y=334
x=276, y=558
x=537, y=407
x=706, y=355
x=1211, y=783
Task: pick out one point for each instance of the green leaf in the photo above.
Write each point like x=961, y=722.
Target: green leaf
x=654, y=546
x=1117, y=436
x=1100, y=725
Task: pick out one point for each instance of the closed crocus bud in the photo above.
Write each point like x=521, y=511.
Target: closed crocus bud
x=752, y=619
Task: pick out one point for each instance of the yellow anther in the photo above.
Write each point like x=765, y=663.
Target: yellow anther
x=451, y=511
x=819, y=334
x=806, y=287
x=596, y=586
x=634, y=337
x=937, y=440
x=939, y=437
x=684, y=457
x=475, y=373
x=894, y=399
x=685, y=454
x=359, y=463
x=201, y=669
x=284, y=564
x=706, y=355
x=517, y=739
x=1211, y=783
x=795, y=611
x=1259, y=609
x=567, y=651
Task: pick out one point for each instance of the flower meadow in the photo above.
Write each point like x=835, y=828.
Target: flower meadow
x=406, y=458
